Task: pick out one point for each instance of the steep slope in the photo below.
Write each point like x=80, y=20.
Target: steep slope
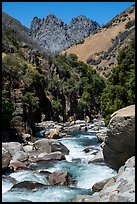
x=53, y=35
x=14, y=33
x=100, y=49
x=13, y=23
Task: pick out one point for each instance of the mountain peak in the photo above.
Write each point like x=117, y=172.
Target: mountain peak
x=51, y=18
x=54, y=35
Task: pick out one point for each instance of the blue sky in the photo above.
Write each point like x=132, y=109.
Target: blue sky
x=101, y=12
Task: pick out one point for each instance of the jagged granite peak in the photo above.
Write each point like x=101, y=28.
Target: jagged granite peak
x=52, y=18
x=83, y=20
x=53, y=35
x=81, y=26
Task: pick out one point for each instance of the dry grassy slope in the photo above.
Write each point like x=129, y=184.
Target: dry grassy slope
x=96, y=44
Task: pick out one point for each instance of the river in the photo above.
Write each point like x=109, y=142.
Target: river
x=76, y=163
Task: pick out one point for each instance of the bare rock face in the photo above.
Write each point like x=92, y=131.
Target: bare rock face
x=119, y=143
x=53, y=35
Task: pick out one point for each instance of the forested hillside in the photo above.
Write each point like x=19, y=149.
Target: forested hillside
x=35, y=86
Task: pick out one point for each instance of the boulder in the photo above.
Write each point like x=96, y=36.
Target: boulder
x=28, y=148
x=6, y=157
x=84, y=198
x=45, y=173
x=119, y=143
x=46, y=145
x=20, y=156
x=28, y=185
x=120, y=188
x=123, y=189
x=99, y=185
x=54, y=134
x=97, y=158
x=59, y=178
x=86, y=150
x=17, y=165
x=12, y=147
x=47, y=157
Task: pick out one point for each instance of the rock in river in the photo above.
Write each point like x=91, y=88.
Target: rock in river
x=119, y=144
x=50, y=145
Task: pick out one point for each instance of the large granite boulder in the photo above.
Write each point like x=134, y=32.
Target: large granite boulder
x=119, y=143
x=50, y=145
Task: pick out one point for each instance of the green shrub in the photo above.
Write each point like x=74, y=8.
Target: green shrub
x=120, y=86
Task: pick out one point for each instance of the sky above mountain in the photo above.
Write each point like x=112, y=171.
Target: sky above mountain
x=101, y=12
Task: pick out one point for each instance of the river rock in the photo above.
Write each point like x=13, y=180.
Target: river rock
x=12, y=147
x=17, y=165
x=6, y=157
x=99, y=185
x=45, y=173
x=46, y=145
x=9, y=179
x=28, y=148
x=59, y=178
x=83, y=198
x=54, y=134
x=20, y=156
x=86, y=150
x=47, y=157
x=28, y=185
x=120, y=141
x=97, y=158
x=52, y=156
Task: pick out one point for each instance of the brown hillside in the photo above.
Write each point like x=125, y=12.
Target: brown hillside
x=100, y=48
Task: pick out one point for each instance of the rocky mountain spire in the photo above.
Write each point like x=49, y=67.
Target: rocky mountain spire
x=53, y=35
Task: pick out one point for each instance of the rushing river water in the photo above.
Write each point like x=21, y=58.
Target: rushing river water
x=76, y=163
